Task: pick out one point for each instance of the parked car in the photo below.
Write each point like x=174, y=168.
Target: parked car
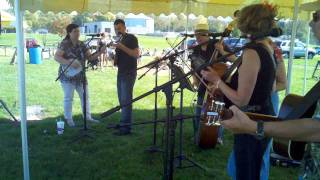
x=235, y=44
x=299, y=49
x=317, y=50
x=191, y=42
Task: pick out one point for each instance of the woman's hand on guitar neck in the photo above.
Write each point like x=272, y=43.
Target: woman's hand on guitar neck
x=212, y=76
x=239, y=123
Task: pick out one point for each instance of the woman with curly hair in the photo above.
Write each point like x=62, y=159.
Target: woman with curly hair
x=250, y=87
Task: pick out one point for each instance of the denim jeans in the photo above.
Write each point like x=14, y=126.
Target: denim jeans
x=275, y=102
x=249, y=156
x=196, y=123
x=68, y=89
x=265, y=165
x=125, y=84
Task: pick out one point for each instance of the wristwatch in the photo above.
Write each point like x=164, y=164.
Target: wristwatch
x=260, y=130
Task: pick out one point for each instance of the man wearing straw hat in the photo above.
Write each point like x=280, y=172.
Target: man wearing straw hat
x=205, y=51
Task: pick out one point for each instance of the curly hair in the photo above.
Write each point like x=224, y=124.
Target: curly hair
x=257, y=19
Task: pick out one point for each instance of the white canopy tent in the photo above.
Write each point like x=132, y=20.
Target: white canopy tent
x=147, y=6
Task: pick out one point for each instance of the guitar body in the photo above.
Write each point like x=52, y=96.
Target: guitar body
x=208, y=135
x=292, y=107
x=291, y=149
x=208, y=132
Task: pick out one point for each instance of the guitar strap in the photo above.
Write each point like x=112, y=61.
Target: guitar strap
x=237, y=63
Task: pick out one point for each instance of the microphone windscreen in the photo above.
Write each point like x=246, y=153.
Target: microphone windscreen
x=276, y=32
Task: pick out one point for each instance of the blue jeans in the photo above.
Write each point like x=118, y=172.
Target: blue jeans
x=275, y=102
x=265, y=165
x=249, y=159
x=125, y=83
x=196, y=123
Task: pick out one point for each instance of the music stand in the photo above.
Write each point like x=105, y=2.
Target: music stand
x=184, y=83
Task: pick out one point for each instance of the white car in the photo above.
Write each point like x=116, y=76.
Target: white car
x=299, y=49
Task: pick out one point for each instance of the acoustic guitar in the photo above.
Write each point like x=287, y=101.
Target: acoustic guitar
x=296, y=107
x=292, y=107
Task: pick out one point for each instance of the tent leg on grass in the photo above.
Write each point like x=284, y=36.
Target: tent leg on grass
x=22, y=88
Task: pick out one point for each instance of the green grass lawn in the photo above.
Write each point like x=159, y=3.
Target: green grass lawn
x=106, y=156
x=53, y=39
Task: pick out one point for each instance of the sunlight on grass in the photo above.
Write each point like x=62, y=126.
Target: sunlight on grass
x=107, y=156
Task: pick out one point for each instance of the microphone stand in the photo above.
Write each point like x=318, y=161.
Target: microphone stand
x=181, y=117
x=3, y=104
x=155, y=64
x=170, y=123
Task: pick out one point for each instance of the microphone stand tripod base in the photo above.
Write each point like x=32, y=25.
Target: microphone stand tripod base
x=84, y=133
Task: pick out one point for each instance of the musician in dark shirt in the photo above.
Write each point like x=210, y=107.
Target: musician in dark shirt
x=307, y=129
x=127, y=53
x=250, y=88
x=72, y=48
x=205, y=51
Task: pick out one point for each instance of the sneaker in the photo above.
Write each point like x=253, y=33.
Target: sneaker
x=93, y=120
x=70, y=123
x=220, y=141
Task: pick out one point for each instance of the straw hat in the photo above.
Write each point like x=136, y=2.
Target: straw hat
x=202, y=27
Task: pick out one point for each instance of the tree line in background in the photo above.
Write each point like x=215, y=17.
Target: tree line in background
x=56, y=22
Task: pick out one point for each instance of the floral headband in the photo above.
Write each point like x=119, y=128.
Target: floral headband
x=269, y=6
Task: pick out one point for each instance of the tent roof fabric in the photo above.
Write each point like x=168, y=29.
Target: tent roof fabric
x=7, y=17
x=311, y=6
x=204, y=7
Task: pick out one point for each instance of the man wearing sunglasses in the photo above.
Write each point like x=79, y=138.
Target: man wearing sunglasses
x=299, y=130
x=205, y=52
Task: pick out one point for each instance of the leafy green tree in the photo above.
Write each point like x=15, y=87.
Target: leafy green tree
x=82, y=18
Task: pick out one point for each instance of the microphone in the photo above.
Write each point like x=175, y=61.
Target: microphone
x=222, y=34
x=276, y=32
x=187, y=35
x=95, y=35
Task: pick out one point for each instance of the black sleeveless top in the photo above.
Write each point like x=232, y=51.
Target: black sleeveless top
x=260, y=101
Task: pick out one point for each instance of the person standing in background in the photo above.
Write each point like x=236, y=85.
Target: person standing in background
x=127, y=53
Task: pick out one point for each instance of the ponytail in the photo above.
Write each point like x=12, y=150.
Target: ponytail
x=67, y=37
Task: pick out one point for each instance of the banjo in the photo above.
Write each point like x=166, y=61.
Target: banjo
x=70, y=71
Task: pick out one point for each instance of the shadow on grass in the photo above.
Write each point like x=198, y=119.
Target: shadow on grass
x=105, y=156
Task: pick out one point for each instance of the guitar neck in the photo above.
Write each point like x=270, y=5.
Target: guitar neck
x=262, y=117
x=227, y=114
